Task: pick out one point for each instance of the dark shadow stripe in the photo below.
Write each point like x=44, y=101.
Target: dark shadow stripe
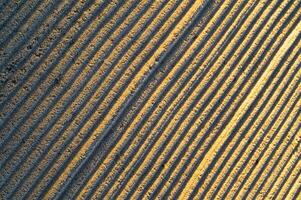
x=237, y=126
x=93, y=110
x=278, y=161
x=282, y=170
x=53, y=103
x=248, y=127
x=237, y=143
x=131, y=98
x=11, y=32
x=139, y=126
x=218, y=118
x=46, y=73
x=287, y=178
x=29, y=33
x=10, y=15
x=104, y=139
x=265, y=149
x=68, y=102
x=121, y=89
x=180, y=120
x=52, y=46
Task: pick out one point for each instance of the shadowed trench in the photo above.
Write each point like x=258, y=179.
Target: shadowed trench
x=152, y=99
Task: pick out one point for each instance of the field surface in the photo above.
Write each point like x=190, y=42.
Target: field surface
x=150, y=99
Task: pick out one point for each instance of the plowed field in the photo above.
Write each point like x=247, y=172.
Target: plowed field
x=152, y=99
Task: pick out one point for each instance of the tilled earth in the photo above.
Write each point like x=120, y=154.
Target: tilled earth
x=150, y=99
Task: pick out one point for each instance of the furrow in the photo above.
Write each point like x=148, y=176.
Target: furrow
x=154, y=99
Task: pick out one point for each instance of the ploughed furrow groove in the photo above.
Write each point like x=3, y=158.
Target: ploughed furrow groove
x=153, y=99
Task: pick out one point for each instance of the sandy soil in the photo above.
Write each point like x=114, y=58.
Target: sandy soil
x=150, y=99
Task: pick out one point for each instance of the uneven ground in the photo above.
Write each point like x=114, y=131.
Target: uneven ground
x=150, y=99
